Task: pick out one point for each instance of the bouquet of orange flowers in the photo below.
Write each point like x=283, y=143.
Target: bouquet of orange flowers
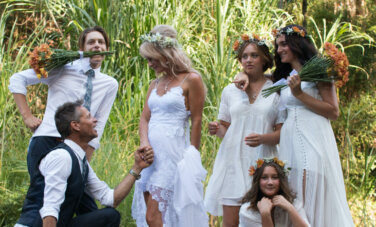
x=340, y=64
x=331, y=66
x=43, y=59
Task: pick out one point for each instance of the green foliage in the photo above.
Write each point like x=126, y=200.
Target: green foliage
x=206, y=32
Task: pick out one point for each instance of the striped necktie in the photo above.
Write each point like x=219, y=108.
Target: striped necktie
x=89, y=89
x=85, y=168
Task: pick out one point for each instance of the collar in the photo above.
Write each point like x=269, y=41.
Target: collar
x=76, y=148
x=85, y=66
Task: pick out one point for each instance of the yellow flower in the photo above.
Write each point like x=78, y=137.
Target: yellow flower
x=259, y=163
x=39, y=76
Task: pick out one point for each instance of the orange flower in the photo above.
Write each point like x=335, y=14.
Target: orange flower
x=251, y=170
x=236, y=45
x=256, y=37
x=245, y=37
x=296, y=29
x=302, y=33
x=340, y=64
x=259, y=163
x=275, y=32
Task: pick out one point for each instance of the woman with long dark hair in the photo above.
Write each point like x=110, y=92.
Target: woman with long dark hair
x=307, y=139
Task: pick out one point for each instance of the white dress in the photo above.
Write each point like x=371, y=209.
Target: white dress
x=250, y=218
x=230, y=179
x=175, y=178
x=307, y=142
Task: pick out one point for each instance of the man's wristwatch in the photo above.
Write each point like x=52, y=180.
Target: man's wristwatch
x=133, y=173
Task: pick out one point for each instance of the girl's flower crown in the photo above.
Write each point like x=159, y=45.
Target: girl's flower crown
x=238, y=44
x=260, y=162
x=159, y=40
x=294, y=30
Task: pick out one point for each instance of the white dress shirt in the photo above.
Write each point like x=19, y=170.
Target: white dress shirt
x=67, y=84
x=56, y=168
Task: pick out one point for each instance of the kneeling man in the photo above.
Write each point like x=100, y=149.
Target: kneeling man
x=64, y=174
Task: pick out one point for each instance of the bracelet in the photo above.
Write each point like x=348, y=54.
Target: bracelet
x=133, y=173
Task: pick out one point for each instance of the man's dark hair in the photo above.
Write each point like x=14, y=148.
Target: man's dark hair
x=64, y=115
x=82, y=38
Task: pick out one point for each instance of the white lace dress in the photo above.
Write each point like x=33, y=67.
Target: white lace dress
x=250, y=218
x=230, y=179
x=175, y=178
x=307, y=142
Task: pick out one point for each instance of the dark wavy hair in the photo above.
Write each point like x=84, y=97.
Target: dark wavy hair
x=255, y=194
x=301, y=47
x=264, y=50
x=64, y=115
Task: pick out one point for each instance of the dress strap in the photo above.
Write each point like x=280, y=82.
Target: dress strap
x=156, y=83
x=184, y=79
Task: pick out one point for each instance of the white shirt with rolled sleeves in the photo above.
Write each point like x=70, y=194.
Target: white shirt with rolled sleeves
x=56, y=168
x=67, y=84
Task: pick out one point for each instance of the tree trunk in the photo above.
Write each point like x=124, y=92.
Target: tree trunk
x=304, y=12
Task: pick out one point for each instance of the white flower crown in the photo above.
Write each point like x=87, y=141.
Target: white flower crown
x=160, y=40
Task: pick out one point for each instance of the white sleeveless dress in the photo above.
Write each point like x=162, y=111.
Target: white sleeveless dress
x=175, y=178
x=307, y=142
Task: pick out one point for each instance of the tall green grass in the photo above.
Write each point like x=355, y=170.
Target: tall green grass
x=206, y=31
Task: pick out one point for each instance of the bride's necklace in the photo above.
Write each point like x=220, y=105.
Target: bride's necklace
x=168, y=82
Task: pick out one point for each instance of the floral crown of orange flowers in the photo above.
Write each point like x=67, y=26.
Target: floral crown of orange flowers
x=260, y=162
x=293, y=30
x=247, y=39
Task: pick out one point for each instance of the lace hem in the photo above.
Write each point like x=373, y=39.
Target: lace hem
x=164, y=199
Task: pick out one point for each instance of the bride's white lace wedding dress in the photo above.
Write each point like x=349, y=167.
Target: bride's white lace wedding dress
x=175, y=178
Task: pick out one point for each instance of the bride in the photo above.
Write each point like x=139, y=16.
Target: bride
x=170, y=191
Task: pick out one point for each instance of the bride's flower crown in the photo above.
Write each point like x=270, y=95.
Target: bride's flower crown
x=260, y=162
x=293, y=30
x=238, y=44
x=159, y=40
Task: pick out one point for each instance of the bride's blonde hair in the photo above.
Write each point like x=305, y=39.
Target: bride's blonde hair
x=170, y=57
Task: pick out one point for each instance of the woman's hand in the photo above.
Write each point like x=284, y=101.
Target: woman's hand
x=241, y=81
x=265, y=206
x=294, y=83
x=282, y=202
x=213, y=127
x=254, y=140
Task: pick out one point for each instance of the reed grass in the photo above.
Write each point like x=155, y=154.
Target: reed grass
x=206, y=31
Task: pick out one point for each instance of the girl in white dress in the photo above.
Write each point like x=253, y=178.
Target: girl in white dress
x=307, y=139
x=249, y=126
x=270, y=202
x=170, y=191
